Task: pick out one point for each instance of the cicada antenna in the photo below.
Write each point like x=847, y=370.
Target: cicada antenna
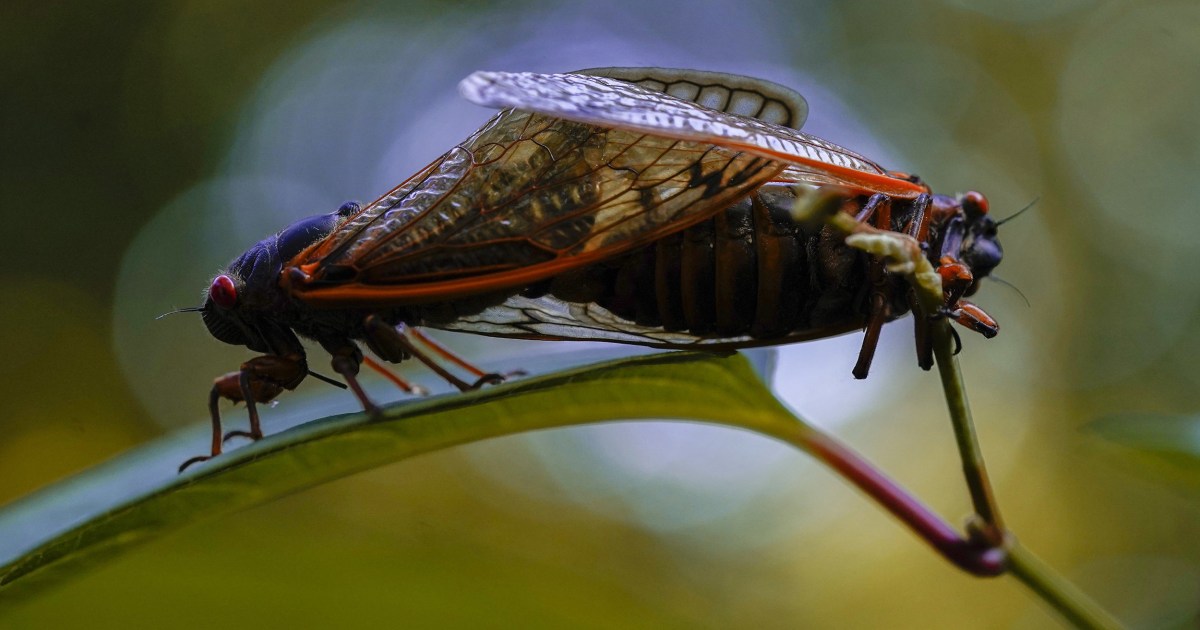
x=1011, y=286
x=190, y=309
x=197, y=309
x=1018, y=213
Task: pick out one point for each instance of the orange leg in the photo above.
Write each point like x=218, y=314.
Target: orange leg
x=970, y=316
x=409, y=388
x=394, y=343
x=443, y=352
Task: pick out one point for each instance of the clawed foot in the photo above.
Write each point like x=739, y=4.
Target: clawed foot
x=495, y=378
x=246, y=434
x=194, y=460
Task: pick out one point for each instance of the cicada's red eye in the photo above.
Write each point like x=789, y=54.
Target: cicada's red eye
x=223, y=291
x=975, y=200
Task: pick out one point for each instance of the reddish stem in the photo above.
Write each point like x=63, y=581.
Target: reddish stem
x=972, y=555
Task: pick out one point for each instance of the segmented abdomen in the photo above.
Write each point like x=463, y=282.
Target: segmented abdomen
x=748, y=271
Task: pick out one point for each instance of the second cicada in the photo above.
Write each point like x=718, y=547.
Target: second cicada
x=636, y=205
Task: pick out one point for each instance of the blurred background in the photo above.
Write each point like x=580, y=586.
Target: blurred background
x=148, y=143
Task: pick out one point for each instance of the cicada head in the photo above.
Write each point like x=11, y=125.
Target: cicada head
x=234, y=309
x=245, y=305
x=981, y=249
x=218, y=311
x=967, y=235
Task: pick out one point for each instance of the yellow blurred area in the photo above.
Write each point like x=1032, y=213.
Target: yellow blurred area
x=148, y=143
x=60, y=413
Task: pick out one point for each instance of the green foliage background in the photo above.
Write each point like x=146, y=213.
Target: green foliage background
x=114, y=111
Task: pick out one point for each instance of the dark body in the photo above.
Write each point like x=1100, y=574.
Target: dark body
x=750, y=270
x=671, y=229
x=748, y=275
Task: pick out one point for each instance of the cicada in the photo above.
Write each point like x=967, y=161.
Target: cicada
x=636, y=205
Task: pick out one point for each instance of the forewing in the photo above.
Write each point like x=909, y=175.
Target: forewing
x=525, y=198
x=604, y=101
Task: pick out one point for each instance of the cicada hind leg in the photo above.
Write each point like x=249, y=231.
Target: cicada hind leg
x=399, y=342
x=877, y=210
x=260, y=379
x=346, y=359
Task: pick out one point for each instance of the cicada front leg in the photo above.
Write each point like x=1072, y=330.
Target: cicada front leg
x=956, y=278
x=974, y=318
x=260, y=379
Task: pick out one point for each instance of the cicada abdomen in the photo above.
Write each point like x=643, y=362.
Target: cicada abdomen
x=749, y=275
x=749, y=272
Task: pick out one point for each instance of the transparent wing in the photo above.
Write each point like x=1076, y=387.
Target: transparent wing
x=525, y=198
x=548, y=317
x=796, y=174
x=614, y=103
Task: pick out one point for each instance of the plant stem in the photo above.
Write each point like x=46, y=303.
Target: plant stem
x=974, y=470
x=1065, y=597
x=974, y=556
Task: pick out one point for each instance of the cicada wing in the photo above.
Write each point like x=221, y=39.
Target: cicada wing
x=549, y=318
x=606, y=102
x=796, y=174
x=730, y=93
x=527, y=197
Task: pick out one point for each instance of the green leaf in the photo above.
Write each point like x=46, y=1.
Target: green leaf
x=1167, y=446
x=93, y=517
